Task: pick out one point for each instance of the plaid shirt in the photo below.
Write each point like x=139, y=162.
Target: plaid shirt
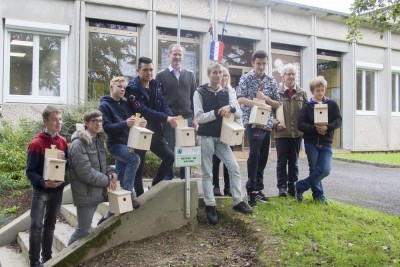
x=248, y=86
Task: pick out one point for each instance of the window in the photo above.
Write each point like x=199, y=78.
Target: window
x=112, y=51
x=189, y=40
x=282, y=55
x=396, y=92
x=35, y=62
x=366, y=91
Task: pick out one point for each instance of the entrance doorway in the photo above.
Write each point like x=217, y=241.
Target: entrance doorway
x=329, y=65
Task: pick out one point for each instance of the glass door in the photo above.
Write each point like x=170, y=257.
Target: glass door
x=329, y=65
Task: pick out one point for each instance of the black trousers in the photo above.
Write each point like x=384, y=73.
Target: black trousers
x=287, y=170
x=159, y=146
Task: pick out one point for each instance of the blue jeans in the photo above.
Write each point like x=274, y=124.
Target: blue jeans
x=126, y=164
x=287, y=150
x=169, y=135
x=45, y=205
x=258, y=156
x=209, y=147
x=85, y=217
x=320, y=163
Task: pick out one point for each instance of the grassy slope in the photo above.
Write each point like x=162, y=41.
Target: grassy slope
x=388, y=158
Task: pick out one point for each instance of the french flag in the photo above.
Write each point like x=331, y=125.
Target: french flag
x=216, y=50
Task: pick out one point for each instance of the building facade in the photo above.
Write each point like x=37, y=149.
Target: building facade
x=66, y=51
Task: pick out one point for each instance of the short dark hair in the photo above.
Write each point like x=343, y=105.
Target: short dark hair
x=48, y=110
x=259, y=54
x=91, y=114
x=143, y=60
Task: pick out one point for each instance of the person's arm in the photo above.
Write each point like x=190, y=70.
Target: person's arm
x=110, y=126
x=34, y=168
x=336, y=117
x=303, y=121
x=199, y=115
x=234, y=107
x=80, y=163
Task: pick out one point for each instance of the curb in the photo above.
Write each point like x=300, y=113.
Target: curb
x=377, y=164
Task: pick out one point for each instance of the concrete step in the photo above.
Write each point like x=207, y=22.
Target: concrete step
x=23, y=242
x=62, y=234
x=9, y=257
x=103, y=208
x=69, y=213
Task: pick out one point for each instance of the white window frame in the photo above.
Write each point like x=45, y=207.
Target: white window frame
x=36, y=29
x=365, y=66
x=396, y=71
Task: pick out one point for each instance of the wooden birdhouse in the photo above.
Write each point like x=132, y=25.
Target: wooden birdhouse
x=321, y=114
x=140, y=138
x=259, y=115
x=280, y=116
x=120, y=200
x=231, y=132
x=184, y=135
x=54, y=168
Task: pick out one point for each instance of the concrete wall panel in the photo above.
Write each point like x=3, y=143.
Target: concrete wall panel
x=291, y=22
x=331, y=29
x=240, y=14
x=395, y=40
x=370, y=37
x=190, y=8
x=395, y=139
x=369, y=135
x=141, y=4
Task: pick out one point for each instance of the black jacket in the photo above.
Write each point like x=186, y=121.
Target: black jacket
x=305, y=123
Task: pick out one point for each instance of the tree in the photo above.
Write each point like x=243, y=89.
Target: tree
x=383, y=15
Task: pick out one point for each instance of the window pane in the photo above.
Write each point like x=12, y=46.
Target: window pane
x=394, y=92
x=109, y=55
x=359, y=90
x=21, y=50
x=370, y=90
x=49, y=66
x=190, y=59
x=237, y=51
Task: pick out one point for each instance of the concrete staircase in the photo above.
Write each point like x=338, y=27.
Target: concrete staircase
x=163, y=209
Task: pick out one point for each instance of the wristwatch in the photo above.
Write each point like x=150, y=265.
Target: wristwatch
x=233, y=108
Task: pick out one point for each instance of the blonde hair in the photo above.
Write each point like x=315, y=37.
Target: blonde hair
x=212, y=66
x=318, y=82
x=117, y=80
x=228, y=82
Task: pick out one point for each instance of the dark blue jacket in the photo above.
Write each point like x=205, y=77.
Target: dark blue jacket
x=139, y=98
x=115, y=114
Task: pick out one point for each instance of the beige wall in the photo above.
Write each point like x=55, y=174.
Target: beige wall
x=395, y=40
x=142, y=4
x=291, y=23
x=370, y=37
x=190, y=8
x=240, y=14
x=395, y=134
x=331, y=29
x=369, y=135
x=13, y=112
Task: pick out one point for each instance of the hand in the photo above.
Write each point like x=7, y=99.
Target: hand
x=225, y=111
x=260, y=95
x=143, y=123
x=131, y=121
x=112, y=186
x=194, y=124
x=60, y=154
x=322, y=129
x=172, y=121
x=52, y=184
x=280, y=127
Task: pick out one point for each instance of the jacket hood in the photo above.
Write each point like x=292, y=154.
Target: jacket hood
x=85, y=137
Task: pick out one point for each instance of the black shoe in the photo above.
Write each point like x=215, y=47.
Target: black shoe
x=252, y=199
x=243, y=208
x=261, y=197
x=291, y=192
x=282, y=192
x=217, y=191
x=298, y=193
x=227, y=192
x=105, y=217
x=211, y=213
x=135, y=204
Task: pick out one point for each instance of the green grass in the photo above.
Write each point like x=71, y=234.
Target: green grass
x=312, y=234
x=379, y=157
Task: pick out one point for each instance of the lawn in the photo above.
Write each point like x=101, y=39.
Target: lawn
x=379, y=157
x=312, y=234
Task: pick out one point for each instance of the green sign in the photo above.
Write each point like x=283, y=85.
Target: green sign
x=187, y=156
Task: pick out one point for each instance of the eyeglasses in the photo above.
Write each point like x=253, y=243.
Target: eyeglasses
x=96, y=121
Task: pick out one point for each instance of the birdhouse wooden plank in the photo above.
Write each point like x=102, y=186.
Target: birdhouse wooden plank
x=321, y=114
x=259, y=115
x=280, y=116
x=231, y=132
x=120, y=201
x=140, y=138
x=54, y=168
x=184, y=135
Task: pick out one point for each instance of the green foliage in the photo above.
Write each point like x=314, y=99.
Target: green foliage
x=13, y=146
x=381, y=157
x=383, y=15
x=312, y=234
x=151, y=165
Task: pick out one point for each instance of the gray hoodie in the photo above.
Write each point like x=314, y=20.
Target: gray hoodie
x=88, y=170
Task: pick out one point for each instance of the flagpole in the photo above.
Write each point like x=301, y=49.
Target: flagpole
x=178, y=34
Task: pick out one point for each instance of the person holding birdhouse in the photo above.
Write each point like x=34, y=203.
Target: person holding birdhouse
x=257, y=89
x=47, y=193
x=90, y=176
x=211, y=104
x=318, y=139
